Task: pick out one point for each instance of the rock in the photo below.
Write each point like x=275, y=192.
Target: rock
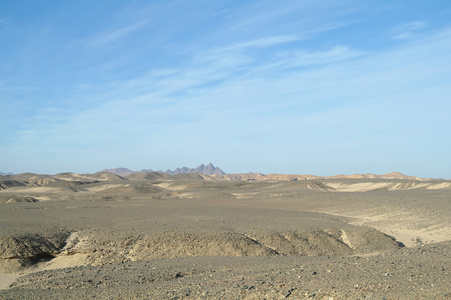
x=288, y=293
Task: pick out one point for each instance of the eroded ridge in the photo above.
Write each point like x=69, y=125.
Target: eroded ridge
x=101, y=248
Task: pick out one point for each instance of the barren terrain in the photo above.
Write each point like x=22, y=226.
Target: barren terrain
x=193, y=236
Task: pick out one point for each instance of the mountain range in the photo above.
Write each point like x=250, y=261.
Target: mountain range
x=209, y=169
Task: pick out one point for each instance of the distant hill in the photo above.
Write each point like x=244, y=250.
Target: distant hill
x=121, y=171
x=100, y=181
x=9, y=173
x=392, y=175
x=217, y=173
x=287, y=177
x=209, y=169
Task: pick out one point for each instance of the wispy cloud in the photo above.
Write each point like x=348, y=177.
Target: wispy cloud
x=259, y=43
x=409, y=30
x=301, y=58
x=221, y=12
x=109, y=37
x=165, y=99
x=337, y=53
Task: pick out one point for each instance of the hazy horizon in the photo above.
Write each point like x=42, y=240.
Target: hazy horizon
x=292, y=87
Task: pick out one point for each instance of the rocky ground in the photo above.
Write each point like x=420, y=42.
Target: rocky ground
x=195, y=237
x=419, y=273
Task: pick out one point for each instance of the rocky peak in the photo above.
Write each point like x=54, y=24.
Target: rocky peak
x=210, y=169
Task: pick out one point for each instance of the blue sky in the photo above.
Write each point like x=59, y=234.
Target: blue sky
x=302, y=87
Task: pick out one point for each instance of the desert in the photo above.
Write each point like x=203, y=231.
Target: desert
x=330, y=121
x=150, y=235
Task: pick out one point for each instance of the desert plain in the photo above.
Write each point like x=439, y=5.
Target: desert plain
x=194, y=236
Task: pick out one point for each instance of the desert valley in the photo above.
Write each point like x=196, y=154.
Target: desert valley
x=203, y=234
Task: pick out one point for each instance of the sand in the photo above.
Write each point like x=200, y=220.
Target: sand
x=199, y=237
